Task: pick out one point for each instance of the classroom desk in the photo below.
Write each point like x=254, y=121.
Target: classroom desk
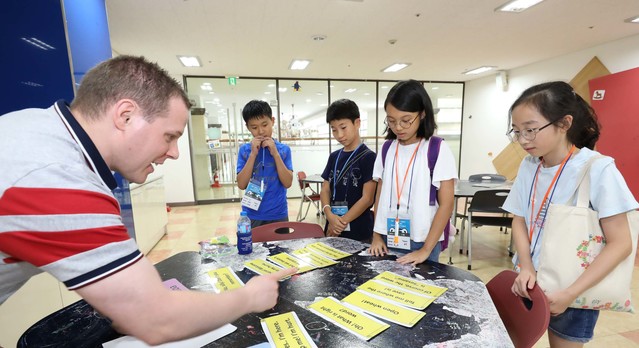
x=463, y=316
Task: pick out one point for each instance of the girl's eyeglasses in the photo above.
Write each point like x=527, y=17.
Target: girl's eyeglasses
x=403, y=123
x=529, y=134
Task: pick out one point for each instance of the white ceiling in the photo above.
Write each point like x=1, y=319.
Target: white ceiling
x=441, y=38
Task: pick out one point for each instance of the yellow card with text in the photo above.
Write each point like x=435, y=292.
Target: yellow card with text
x=287, y=261
x=411, y=284
x=314, y=258
x=398, y=295
x=286, y=331
x=353, y=321
x=328, y=251
x=224, y=279
x=262, y=267
x=382, y=309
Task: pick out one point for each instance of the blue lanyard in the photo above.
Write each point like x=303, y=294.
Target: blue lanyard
x=335, y=177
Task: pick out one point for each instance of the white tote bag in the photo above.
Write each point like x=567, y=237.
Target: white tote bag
x=572, y=240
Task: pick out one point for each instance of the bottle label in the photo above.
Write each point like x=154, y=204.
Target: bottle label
x=244, y=239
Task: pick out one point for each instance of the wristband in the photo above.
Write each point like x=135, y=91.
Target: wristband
x=324, y=207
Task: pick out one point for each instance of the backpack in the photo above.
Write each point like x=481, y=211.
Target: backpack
x=433, y=152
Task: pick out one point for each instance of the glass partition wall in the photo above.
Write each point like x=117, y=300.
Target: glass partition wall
x=299, y=107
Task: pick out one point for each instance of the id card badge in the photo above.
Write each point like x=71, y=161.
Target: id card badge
x=254, y=194
x=340, y=209
x=398, y=231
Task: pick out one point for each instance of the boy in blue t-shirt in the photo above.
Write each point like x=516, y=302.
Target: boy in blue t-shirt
x=264, y=168
x=348, y=191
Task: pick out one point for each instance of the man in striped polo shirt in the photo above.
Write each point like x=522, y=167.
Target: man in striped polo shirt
x=58, y=214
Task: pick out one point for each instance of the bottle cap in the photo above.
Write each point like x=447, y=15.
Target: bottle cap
x=243, y=213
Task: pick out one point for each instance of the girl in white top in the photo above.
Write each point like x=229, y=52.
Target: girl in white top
x=558, y=129
x=403, y=182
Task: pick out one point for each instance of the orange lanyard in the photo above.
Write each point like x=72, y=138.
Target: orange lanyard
x=400, y=189
x=543, y=202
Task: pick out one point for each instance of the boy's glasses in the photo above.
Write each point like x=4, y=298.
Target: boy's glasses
x=403, y=123
x=529, y=134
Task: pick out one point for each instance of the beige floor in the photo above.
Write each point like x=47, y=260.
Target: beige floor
x=189, y=225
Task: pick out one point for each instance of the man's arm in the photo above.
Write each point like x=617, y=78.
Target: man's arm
x=139, y=305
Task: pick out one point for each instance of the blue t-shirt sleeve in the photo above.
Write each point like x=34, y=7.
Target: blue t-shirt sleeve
x=285, y=153
x=242, y=157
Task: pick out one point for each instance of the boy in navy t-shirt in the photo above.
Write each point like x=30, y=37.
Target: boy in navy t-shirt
x=348, y=191
x=264, y=168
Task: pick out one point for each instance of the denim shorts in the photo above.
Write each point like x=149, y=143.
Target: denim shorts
x=434, y=254
x=576, y=325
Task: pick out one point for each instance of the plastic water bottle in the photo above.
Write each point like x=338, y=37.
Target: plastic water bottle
x=244, y=236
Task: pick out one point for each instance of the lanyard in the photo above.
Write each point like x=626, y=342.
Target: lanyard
x=400, y=189
x=551, y=187
x=337, y=178
x=263, y=150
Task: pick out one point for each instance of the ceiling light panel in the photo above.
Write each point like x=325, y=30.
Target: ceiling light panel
x=517, y=6
x=190, y=61
x=395, y=67
x=479, y=70
x=299, y=64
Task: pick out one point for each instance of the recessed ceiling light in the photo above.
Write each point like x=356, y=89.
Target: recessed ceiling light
x=395, y=67
x=517, y=5
x=350, y=90
x=271, y=85
x=318, y=37
x=190, y=61
x=299, y=64
x=282, y=89
x=634, y=19
x=435, y=87
x=478, y=70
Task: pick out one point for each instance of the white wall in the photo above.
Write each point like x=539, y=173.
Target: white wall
x=484, y=132
x=178, y=178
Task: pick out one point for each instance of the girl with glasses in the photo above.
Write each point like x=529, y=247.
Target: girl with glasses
x=404, y=219
x=559, y=130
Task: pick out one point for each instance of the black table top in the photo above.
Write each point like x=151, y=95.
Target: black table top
x=463, y=316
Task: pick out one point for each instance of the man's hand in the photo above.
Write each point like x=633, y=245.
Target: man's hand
x=263, y=290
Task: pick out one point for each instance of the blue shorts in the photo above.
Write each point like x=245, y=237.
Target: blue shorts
x=576, y=325
x=434, y=254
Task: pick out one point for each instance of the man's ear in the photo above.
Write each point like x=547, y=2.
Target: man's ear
x=123, y=111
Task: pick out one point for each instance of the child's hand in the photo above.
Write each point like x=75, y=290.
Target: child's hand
x=256, y=144
x=378, y=247
x=269, y=144
x=335, y=223
x=559, y=301
x=524, y=281
x=414, y=258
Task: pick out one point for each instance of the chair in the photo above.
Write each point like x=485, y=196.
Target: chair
x=477, y=178
x=526, y=321
x=487, y=178
x=286, y=230
x=486, y=201
x=309, y=196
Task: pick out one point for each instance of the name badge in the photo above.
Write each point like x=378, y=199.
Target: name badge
x=398, y=231
x=254, y=194
x=340, y=209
